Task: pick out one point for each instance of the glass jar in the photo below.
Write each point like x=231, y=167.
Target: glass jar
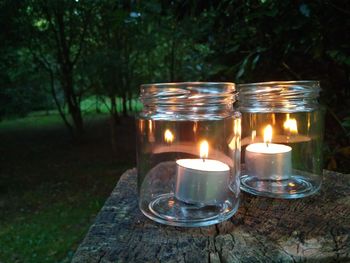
x=188, y=153
x=282, y=134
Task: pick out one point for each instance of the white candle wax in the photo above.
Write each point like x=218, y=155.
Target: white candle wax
x=201, y=181
x=268, y=161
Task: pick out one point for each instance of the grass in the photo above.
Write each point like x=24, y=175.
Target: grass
x=102, y=103
x=52, y=188
x=32, y=122
x=48, y=118
x=49, y=235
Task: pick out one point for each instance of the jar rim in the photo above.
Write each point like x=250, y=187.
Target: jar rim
x=283, y=96
x=281, y=82
x=184, y=100
x=191, y=83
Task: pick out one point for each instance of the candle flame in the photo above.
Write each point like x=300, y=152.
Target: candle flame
x=204, y=149
x=168, y=136
x=268, y=134
x=291, y=126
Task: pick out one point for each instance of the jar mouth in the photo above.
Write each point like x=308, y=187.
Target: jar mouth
x=282, y=96
x=228, y=85
x=194, y=93
x=314, y=83
x=195, y=99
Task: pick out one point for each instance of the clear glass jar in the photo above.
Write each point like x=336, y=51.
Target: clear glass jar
x=282, y=135
x=188, y=153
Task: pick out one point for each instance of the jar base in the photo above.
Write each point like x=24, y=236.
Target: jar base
x=296, y=186
x=168, y=210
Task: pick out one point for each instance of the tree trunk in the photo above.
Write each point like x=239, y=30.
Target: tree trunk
x=114, y=121
x=58, y=105
x=77, y=120
x=73, y=104
x=66, y=62
x=97, y=105
x=130, y=101
x=312, y=229
x=125, y=109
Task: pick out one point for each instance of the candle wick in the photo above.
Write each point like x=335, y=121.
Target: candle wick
x=203, y=160
x=267, y=144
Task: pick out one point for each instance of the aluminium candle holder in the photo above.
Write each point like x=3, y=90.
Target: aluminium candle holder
x=282, y=135
x=188, y=153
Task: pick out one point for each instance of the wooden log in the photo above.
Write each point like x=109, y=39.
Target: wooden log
x=313, y=229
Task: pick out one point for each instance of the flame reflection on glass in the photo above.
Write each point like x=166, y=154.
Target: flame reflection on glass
x=291, y=126
x=195, y=127
x=235, y=140
x=150, y=125
x=168, y=136
x=253, y=135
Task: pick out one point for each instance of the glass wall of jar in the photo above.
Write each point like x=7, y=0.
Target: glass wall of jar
x=282, y=134
x=188, y=153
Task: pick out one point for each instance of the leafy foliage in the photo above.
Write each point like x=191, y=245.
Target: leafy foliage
x=73, y=49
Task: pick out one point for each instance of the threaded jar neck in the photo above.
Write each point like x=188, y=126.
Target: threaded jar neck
x=188, y=100
x=279, y=96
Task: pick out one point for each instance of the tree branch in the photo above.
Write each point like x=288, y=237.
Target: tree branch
x=47, y=13
x=82, y=36
x=292, y=72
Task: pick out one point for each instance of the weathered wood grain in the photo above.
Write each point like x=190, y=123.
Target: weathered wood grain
x=313, y=229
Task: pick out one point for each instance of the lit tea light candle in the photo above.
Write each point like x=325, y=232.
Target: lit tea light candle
x=268, y=161
x=202, y=181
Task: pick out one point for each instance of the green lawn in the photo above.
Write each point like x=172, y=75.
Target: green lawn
x=52, y=188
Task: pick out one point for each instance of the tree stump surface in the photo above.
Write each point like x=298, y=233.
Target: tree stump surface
x=312, y=229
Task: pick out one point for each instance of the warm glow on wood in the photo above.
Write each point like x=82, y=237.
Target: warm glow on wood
x=204, y=149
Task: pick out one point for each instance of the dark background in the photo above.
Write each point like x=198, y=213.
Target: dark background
x=69, y=78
